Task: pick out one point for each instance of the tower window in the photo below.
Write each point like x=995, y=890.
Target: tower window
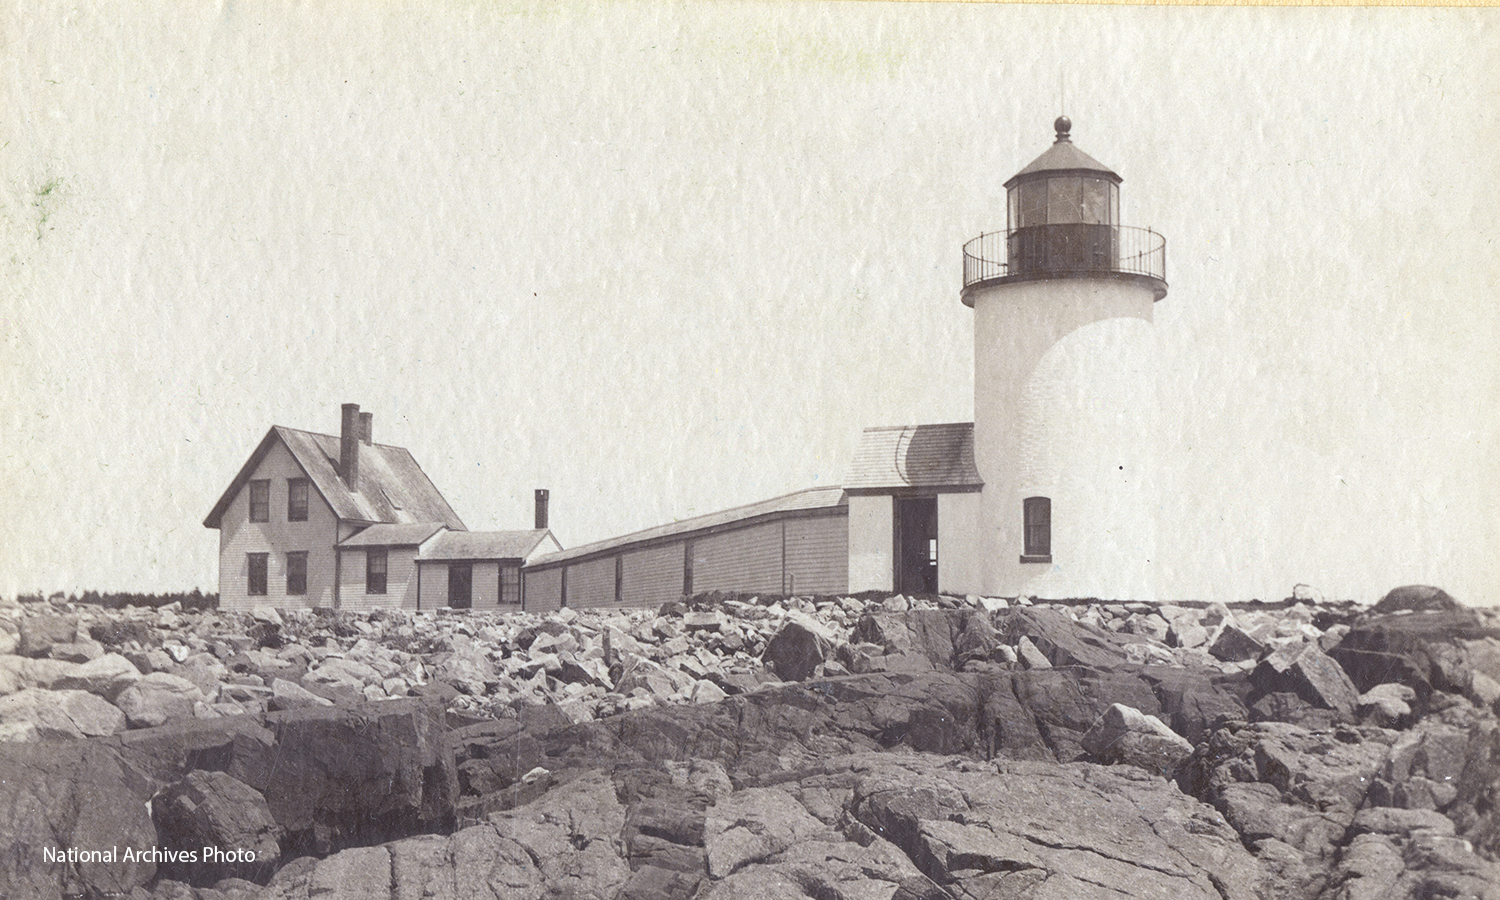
x=1037, y=522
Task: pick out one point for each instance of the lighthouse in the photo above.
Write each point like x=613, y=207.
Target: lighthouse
x=1064, y=393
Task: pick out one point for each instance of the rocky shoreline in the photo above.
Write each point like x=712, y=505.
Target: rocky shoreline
x=840, y=747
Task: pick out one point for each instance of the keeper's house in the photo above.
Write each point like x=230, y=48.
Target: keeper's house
x=318, y=520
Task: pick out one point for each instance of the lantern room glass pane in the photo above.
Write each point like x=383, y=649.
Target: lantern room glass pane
x=1063, y=201
x=1033, y=204
x=1095, y=202
x=1013, y=209
x=1114, y=203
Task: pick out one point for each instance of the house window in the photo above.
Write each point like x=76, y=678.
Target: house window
x=296, y=500
x=1037, y=516
x=256, y=580
x=260, y=500
x=510, y=584
x=375, y=569
x=296, y=572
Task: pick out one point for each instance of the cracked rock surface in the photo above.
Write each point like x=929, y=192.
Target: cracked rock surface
x=871, y=748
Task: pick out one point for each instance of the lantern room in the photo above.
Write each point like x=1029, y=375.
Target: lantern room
x=1063, y=220
x=1063, y=186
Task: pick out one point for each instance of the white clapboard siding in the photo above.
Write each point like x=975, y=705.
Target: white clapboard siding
x=653, y=576
x=400, y=580
x=746, y=560
x=592, y=583
x=239, y=537
x=543, y=589
x=817, y=554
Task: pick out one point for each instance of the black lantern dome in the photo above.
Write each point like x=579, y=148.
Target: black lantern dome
x=1063, y=186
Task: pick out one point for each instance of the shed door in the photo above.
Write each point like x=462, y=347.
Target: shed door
x=916, y=545
x=460, y=585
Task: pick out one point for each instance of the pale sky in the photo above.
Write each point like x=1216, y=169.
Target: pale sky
x=665, y=259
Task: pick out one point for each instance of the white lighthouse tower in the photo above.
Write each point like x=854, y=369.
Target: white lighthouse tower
x=1064, y=394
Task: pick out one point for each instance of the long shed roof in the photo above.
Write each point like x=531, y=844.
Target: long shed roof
x=822, y=498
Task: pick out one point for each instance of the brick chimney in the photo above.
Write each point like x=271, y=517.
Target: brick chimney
x=541, y=508
x=349, y=433
x=366, y=427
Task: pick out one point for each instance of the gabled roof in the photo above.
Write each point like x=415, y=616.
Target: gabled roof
x=809, y=499
x=392, y=487
x=393, y=535
x=484, y=544
x=892, y=457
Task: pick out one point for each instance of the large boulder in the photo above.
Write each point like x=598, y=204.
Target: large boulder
x=1452, y=650
x=1130, y=737
x=1233, y=644
x=1065, y=702
x=1416, y=598
x=572, y=832
x=213, y=810
x=1026, y=829
x=933, y=635
x=798, y=649
x=76, y=651
x=78, y=796
x=1194, y=701
x=338, y=777
x=291, y=695
x=1387, y=705
x=158, y=698
x=1282, y=782
x=40, y=632
x=468, y=670
x=1305, y=670
x=343, y=672
x=641, y=675
x=35, y=714
x=106, y=676
x=1067, y=642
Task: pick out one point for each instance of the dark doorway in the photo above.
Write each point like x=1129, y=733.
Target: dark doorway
x=460, y=585
x=916, y=545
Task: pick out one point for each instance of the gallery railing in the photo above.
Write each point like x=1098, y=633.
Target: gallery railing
x=1065, y=250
